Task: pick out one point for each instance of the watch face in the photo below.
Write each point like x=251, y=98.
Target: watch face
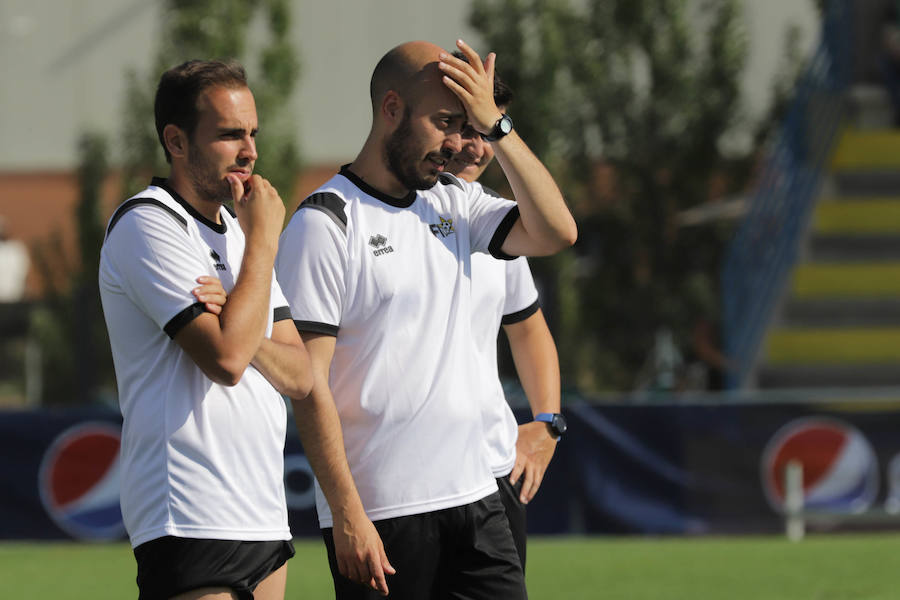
x=506, y=124
x=559, y=424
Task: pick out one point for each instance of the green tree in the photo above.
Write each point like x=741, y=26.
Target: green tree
x=68, y=324
x=208, y=29
x=651, y=90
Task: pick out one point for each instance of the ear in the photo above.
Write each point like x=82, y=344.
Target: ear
x=175, y=139
x=392, y=107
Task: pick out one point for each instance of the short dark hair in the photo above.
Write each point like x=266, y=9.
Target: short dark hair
x=181, y=86
x=503, y=94
x=393, y=72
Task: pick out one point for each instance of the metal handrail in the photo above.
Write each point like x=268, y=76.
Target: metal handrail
x=765, y=247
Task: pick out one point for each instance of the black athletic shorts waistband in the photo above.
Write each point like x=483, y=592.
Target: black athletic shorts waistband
x=169, y=565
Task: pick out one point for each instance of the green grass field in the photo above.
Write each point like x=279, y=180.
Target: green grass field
x=832, y=567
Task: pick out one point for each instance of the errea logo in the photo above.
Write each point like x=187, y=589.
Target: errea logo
x=442, y=229
x=379, y=245
x=217, y=260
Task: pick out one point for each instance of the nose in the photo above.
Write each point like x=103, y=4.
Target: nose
x=248, y=149
x=453, y=142
x=473, y=146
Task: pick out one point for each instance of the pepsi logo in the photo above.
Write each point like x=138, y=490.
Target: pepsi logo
x=840, y=468
x=78, y=481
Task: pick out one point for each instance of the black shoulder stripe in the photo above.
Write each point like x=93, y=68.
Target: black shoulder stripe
x=490, y=192
x=448, y=179
x=330, y=204
x=135, y=202
x=521, y=315
x=281, y=313
x=500, y=234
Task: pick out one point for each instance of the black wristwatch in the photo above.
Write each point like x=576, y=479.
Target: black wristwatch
x=502, y=127
x=556, y=421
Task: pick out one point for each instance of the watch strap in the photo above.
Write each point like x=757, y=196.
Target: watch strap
x=497, y=131
x=548, y=418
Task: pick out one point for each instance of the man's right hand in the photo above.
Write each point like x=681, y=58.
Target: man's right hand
x=360, y=552
x=258, y=207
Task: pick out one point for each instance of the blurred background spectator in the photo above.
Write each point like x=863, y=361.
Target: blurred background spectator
x=14, y=266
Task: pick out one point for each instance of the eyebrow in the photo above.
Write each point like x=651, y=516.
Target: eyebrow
x=237, y=130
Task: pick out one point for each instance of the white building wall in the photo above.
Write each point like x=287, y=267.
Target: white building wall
x=62, y=65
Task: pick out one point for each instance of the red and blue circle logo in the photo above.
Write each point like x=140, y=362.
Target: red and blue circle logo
x=79, y=481
x=840, y=468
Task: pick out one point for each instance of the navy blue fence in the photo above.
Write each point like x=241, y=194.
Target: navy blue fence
x=766, y=244
x=679, y=466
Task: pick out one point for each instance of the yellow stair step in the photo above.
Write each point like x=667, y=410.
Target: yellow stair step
x=846, y=280
x=860, y=150
x=833, y=346
x=858, y=216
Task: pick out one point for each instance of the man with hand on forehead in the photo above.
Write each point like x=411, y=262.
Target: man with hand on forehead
x=201, y=373
x=503, y=292
x=406, y=498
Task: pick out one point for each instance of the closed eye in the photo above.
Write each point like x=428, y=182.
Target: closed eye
x=453, y=123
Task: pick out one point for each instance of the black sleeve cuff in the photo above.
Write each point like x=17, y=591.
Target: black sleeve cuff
x=281, y=313
x=177, y=322
x=316, y=327
x=521, y=315
x=500, y=235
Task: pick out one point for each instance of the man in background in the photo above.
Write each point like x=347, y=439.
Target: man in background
x=503, y=292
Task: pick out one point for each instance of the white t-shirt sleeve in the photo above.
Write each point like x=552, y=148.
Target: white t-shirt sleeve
x=311, y=269
x=490, y=219
x=521, y=300
x=157, y=265
x=281, y=309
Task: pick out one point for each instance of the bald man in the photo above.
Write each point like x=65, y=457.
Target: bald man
x=376, y=266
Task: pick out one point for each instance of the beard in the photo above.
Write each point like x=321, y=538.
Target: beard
x=205, y=177
x=403, y=157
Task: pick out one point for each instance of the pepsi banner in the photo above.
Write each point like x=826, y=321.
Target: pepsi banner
x=652, y=469
x=58, y=475
x=676, y=469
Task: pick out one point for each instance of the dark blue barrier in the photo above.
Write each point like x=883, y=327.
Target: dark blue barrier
x=620, y=469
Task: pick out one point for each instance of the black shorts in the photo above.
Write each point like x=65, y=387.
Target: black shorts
x=169, y=566
x=461, y=553
x=515, y=513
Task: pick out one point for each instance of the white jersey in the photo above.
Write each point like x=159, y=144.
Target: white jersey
x=198, y=459
x=390, y=278
x=503, y=292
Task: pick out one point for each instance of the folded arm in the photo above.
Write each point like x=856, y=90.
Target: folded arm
x=284, y=361
x=223, y=345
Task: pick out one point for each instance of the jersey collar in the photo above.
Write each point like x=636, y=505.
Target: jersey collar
x=404, y=202
x=163, y=184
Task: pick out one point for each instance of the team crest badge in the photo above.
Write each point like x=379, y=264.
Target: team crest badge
x=442, y=229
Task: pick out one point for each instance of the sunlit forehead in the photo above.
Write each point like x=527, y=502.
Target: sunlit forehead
x=229, y=109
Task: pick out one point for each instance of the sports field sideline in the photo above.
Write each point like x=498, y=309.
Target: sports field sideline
x=821, y=567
